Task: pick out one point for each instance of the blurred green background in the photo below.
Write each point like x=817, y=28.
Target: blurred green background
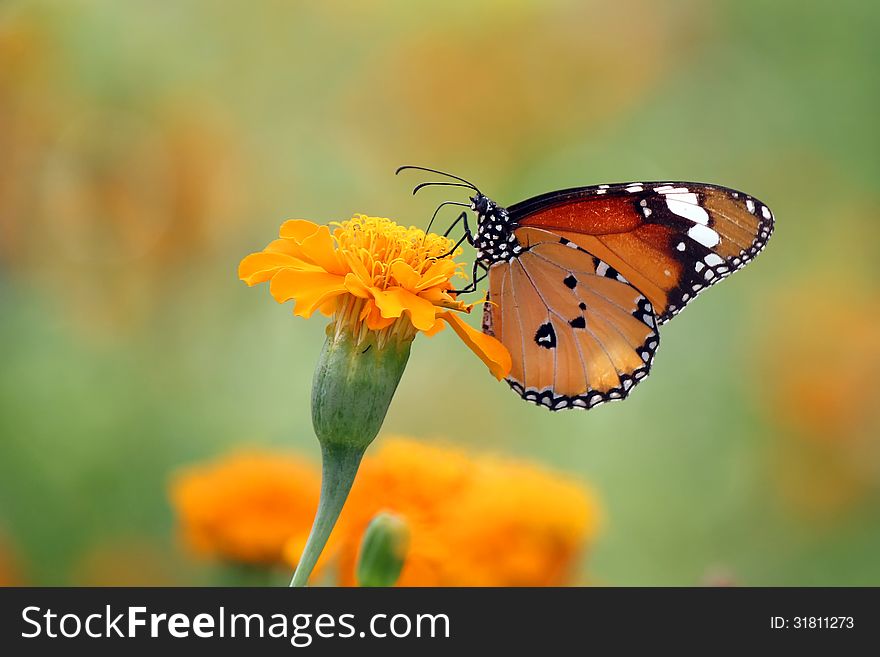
x=146, y=147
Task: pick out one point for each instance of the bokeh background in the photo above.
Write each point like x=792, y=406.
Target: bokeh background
x=145, y=148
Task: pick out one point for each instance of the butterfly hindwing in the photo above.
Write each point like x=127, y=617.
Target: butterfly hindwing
x=669, y=240
x=579, y=334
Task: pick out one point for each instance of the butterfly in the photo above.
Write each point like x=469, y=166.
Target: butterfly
x=581, y=279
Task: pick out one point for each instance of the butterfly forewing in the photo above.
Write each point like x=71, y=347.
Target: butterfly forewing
x=579, y=334
x=669, y=240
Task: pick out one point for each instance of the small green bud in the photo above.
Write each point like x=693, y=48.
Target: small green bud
x=383, y=550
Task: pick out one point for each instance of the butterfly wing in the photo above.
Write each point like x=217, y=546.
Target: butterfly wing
x=669, y=240
x=577, y=335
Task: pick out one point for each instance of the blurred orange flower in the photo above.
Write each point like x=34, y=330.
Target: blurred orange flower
x=10, y=568
x=370, y=274
x=108, y=197
x=129, y=561
x=27, y=105
x=475, y=520
x=821, y=362
x=819, y=388
x=247, y=507
x=554, y=84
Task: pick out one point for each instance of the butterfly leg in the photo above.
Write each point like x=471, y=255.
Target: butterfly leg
x=467, y=229
x=472, y=286
x=467, y=235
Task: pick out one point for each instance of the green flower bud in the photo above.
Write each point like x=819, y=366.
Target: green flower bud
x=354, y=382
x=353, y=386
x=383, y=551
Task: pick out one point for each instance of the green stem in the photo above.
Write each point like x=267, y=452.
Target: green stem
x=339, y=465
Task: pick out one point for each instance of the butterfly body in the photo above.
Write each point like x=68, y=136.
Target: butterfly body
x=579, y=280
x=495, y=240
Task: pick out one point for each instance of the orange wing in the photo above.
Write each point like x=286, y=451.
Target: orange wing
x=578, y=334
x=669, y=240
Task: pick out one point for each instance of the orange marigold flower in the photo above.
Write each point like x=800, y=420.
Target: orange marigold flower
x=248, y=507
x=370, y=274
x=474, y=520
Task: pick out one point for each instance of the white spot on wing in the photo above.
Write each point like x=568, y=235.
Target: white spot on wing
x=682, y=194
x=704, y=235
x=691, y=211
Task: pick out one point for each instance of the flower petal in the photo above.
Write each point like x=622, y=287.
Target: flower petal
x=373, y=317
x=438, y=326
x=442, y=299
x=297, y=229
x=406, y=276
x=310, y=289
x=438, y=274
x=290, y=247
x=328, y=307
x=355, y=262
x=356, y=286
x=260, y=267
x=320, y=249
x=394, y=301
x=489, y=349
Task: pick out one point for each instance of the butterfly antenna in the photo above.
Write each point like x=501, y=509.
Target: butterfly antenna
x=442, y=173
x=442, y=184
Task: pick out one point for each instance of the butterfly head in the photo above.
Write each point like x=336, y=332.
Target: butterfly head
x=494, y=241
x=482, y=205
